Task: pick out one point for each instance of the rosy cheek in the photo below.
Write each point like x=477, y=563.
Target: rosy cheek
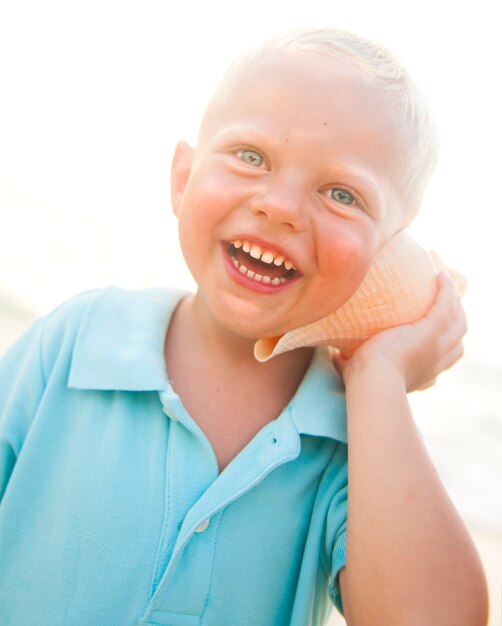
x=216, y=194
x=349, y=259
x=349, y=248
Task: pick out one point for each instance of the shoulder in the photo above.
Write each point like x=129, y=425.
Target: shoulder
x=26, y=367
x=100, y=310
x=102, y=339
x=44, y=337
x=109, y=300
x=93, y=325
x=110, y=321
x=63, y=322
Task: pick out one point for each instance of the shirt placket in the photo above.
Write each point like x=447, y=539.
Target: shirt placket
x=196, y=497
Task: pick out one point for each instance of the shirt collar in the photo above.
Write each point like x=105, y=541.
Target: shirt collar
x=120, y=343
x=318, y=406
x=120, y=346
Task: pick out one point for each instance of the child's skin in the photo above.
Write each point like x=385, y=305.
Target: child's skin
x=301, y=157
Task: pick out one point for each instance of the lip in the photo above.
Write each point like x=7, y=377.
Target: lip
x=249, y=283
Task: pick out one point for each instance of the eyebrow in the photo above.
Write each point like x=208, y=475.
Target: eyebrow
x=358, y=176
x=228, y=133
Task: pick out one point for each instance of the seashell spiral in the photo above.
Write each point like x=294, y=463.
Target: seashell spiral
x=399, y=288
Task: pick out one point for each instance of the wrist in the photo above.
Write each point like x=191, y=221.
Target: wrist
x=370, y=369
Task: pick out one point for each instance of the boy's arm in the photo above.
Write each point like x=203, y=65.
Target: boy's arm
x=409, y=558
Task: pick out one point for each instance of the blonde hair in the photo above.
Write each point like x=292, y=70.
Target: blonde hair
x=418, y=133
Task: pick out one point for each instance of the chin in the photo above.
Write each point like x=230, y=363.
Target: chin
x=246, y=319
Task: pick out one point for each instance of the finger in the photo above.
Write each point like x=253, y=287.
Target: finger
x=455, y=329
x=447, y=300
x=446, y=316
x=446, y=362
x=449, y=359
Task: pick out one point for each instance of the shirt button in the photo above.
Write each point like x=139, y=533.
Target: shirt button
x=203, y=526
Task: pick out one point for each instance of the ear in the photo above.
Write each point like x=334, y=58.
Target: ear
x=180, y=173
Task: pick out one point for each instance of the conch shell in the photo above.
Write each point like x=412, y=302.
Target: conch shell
x=399, y=288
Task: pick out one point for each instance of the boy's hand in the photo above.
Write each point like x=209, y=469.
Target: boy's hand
x=417, y=352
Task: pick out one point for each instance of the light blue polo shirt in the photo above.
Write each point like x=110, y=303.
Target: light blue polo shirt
x=112, y=509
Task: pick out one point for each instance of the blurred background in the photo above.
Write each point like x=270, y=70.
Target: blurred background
x=94, y=96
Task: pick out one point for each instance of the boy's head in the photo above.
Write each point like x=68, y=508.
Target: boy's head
x=310, y=156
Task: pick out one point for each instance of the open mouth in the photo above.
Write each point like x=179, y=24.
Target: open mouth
x=261, y=264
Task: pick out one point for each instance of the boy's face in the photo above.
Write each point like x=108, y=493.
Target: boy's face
x=297, y=164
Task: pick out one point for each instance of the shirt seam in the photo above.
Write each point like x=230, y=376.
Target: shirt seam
x=158, y=570
x=325, y=558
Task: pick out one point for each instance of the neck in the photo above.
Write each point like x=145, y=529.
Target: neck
x=194, y=328
x=228, y=393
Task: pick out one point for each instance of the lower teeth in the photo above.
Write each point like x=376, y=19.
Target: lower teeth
x=258, y=277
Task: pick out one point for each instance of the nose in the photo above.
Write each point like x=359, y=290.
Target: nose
x=281, y=202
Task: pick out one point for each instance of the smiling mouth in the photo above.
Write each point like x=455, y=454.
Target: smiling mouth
x=260, y=264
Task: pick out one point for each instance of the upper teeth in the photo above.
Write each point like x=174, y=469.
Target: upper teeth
x=266, y=256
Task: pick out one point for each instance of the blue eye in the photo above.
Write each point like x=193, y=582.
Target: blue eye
x=251, y=157
x=340, y=195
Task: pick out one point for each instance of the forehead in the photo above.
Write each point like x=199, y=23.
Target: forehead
x=287, y=92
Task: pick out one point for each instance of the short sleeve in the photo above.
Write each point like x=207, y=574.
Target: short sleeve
x=22, y=384
x=336, y=529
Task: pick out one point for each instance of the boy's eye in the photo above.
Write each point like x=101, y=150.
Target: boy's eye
x=340, y=195
x=251, y=157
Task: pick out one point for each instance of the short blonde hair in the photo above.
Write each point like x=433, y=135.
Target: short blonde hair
x=418, y=131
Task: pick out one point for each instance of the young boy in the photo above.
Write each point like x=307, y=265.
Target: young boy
x=154, y=473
